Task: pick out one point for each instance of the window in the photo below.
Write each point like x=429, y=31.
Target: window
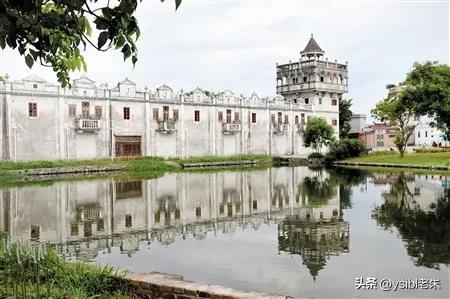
x=280, y=117
x=295, y=101
x=426, y=134
x=296, y=119
x=306, y=101
x=35, y=232
x=177, y=214
x=74, y=229
x=85, y=109
x=197, y=115
x=254, y=118
x=128, y=221
x=333, y=102
x=228, y=116
x=286, y=119
x=320, y=101
x=273, y=118
x=255, y=204
x=294, y=80
x=418, y=134
x=198, y=212
x=302, y=121
x=100, y=225
x=321, y=79
x=236, y=117
x=98, y=111
x=72, y=110
x=126, y=112
x=32, y=109
x=220, y=115
x=175, y=114
x=165, y=112
x=321, y=215
x=334, y=122
x=157, y=217
x=305, y=79
x=156, y=113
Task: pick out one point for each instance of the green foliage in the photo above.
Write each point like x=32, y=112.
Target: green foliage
x=318, y=133
x=204, y=159
x=400, y=114
x=427, y=86
x=345, y=117
x=55, y=32
x=345, y=148
x=315, y=156
x=432, y=150
x=319, y=190
x=37, y=269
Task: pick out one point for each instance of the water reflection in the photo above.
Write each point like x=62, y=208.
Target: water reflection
x=91, y=216
x=283, y=230
x=418, y=207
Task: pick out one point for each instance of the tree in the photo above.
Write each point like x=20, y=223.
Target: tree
x=318, y=133
x=427, y=86
x=53, y=32
x=345, y=117
x=397, y=113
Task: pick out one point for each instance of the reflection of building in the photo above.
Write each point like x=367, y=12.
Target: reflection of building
x=315, y=239
x=88, y=216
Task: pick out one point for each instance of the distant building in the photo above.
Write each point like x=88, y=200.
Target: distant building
x=378, y=136
x=357, y=123
x=424, y=134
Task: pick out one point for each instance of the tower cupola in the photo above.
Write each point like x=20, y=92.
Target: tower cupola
x=312, y=49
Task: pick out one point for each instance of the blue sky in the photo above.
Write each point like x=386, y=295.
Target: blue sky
x=235, y=44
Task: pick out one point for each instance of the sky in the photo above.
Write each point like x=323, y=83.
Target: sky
x=235, y=44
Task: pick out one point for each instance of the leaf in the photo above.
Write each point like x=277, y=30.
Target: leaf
x=134, y=59
x=177, y=4
x=29, y=60
x=102, y=38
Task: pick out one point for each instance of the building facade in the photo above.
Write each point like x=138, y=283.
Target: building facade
x=40, y=120
x=357, y=123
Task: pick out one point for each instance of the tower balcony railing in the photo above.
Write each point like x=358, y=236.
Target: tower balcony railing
x=280, y=129
x=231, y=128
x=87, y=124
x=166, y=126
x=334, y=87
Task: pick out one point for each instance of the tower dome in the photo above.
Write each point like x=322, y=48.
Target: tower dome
x=312, y=49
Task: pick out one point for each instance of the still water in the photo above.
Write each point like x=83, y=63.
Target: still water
x=290, y=230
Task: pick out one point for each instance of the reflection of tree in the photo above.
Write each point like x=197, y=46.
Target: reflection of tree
x=347, y=178
x=426, y=233
x=314, y=241
x=319, y=190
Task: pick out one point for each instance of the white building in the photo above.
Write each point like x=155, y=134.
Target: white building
x=426, y=135
x=40, y=120
x=358, y=123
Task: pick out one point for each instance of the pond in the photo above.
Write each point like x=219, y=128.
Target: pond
x=289, y=230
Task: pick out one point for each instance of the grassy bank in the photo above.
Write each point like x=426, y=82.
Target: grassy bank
x=140, y=167
x=427, y=158
x=38, y=271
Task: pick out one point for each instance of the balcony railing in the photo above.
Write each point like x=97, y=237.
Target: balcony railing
x=87, y=124
x=231, y=128
x=335, y=87
x=280, y=129
x=166, y=126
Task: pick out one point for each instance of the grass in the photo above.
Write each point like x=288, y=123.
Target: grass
x=427, y=158
x=140, y=167
x=31, y=270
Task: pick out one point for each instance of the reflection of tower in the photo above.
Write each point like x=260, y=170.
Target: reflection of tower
x=315, y=241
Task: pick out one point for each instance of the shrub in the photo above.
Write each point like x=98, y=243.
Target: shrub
x=345, y=148
x=432, y=150
x=315, y=155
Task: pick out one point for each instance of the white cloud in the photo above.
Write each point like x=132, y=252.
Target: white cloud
x=234, y=45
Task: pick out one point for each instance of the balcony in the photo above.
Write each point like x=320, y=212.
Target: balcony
x=280, y=129
x=332, y=87
x=166, y=126
x=87, y=125
x=231, y=128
